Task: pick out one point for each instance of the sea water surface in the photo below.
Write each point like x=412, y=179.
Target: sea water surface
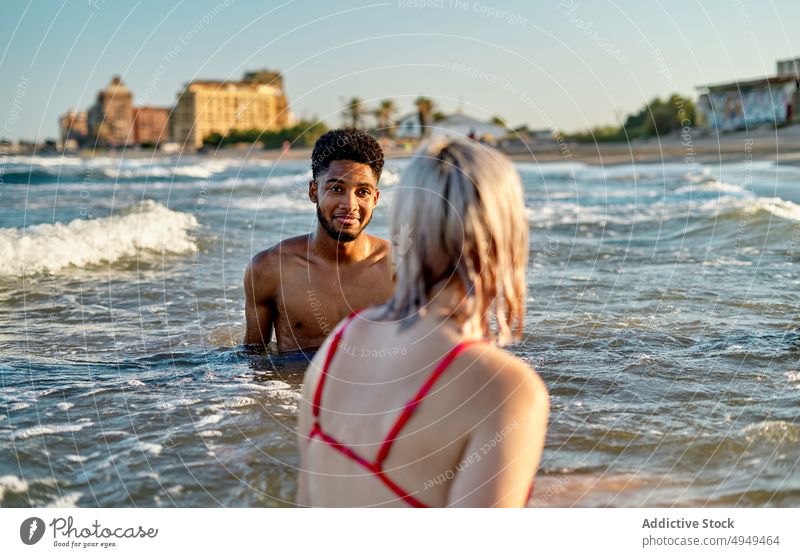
x=662, y=314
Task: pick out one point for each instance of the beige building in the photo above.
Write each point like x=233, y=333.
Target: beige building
x=111, y=117
x=258, y=102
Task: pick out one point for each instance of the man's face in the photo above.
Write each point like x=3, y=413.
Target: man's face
x=345, y=196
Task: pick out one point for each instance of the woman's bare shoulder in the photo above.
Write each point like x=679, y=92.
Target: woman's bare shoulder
x=499, y=373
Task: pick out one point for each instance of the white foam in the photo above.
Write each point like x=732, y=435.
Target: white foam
x=46, y=162
x=150, y=227
x=271, y=386
x=39, y=430
x=557, y=213
x=277, y=202
x=726, y=262
x=152, y=448
x=64, y=406
x=238, y=402
x=94, y=392
x=777, y=206
x=12, y=484
x=209, y=420
x=712, y=185
x=172, y=404
x=66, y=500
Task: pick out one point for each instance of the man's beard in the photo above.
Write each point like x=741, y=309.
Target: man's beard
x=337, y=235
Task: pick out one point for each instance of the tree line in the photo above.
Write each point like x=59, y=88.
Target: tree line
x=657, y=118
x=303, y=134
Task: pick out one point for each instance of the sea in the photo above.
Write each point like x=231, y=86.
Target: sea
x=662, y=315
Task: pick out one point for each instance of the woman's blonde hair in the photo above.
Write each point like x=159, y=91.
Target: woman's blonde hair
x=459, y=214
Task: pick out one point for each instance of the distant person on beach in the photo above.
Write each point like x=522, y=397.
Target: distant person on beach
x=304, y=285
x=413, y=402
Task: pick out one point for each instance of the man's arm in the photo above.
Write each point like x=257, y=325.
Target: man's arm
x=259, y=301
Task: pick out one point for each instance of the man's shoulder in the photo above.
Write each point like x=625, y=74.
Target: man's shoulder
x=264, y=260
x=380, y=248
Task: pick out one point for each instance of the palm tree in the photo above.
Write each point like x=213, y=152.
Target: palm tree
x=384, y=115
x=424, y=110
x=354, y=112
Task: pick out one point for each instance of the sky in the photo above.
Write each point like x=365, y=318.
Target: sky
x=562, y=64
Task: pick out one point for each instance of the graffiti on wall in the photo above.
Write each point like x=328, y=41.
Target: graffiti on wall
x=730, y=110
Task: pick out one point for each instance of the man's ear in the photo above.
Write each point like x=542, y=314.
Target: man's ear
x=377, y=196
x=312, y=191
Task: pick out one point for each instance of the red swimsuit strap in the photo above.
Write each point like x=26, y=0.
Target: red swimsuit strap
x=377, y=466
x=412, y=404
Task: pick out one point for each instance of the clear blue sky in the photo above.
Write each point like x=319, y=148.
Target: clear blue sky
x=569, y=64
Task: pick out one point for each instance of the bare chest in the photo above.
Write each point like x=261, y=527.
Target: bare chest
x=313, y=299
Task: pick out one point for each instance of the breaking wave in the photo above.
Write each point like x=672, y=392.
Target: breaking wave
x=49, y=248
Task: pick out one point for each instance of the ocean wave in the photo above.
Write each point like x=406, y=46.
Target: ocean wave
x=49, y=248
x=745, y=209
x=24, y=170
x=39, y=430
x=776, y=431
x=13, y=484
x=711, y=185
x=776, y=206
x=278, y=202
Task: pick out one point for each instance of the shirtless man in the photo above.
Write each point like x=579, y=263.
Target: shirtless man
x=303, y=286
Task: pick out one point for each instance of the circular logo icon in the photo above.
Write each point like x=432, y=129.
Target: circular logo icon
x=32, y=530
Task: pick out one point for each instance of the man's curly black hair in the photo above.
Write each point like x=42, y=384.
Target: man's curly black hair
x=347, y=144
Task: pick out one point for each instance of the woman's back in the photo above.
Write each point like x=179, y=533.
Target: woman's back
x=397, y=410
x=368, y=443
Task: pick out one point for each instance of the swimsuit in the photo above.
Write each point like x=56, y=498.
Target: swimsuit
x=376, y=466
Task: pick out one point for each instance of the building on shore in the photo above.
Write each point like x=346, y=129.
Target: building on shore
x=150, y=125
x=772, y=100
x=111, y=116
x=454, y=125
x=73, y=129
x=258, y=102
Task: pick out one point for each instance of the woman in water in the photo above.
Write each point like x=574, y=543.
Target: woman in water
x=413, y=402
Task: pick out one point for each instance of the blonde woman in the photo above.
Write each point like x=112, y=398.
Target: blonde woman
x=413, y=403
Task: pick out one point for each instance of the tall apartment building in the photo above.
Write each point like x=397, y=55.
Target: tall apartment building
x=111, y=117
x=150, y=125
x=258, y=102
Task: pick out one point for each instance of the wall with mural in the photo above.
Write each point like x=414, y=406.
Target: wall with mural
x=730, y=110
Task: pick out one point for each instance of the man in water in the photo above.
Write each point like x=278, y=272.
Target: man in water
x=303, y=286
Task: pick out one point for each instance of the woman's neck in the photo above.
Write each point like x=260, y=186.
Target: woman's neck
x=448, y=302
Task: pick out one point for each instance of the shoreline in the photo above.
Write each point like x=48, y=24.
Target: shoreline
x=763, y=144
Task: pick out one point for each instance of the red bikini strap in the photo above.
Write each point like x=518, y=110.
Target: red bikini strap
x=328, y=358
x=411, y=405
